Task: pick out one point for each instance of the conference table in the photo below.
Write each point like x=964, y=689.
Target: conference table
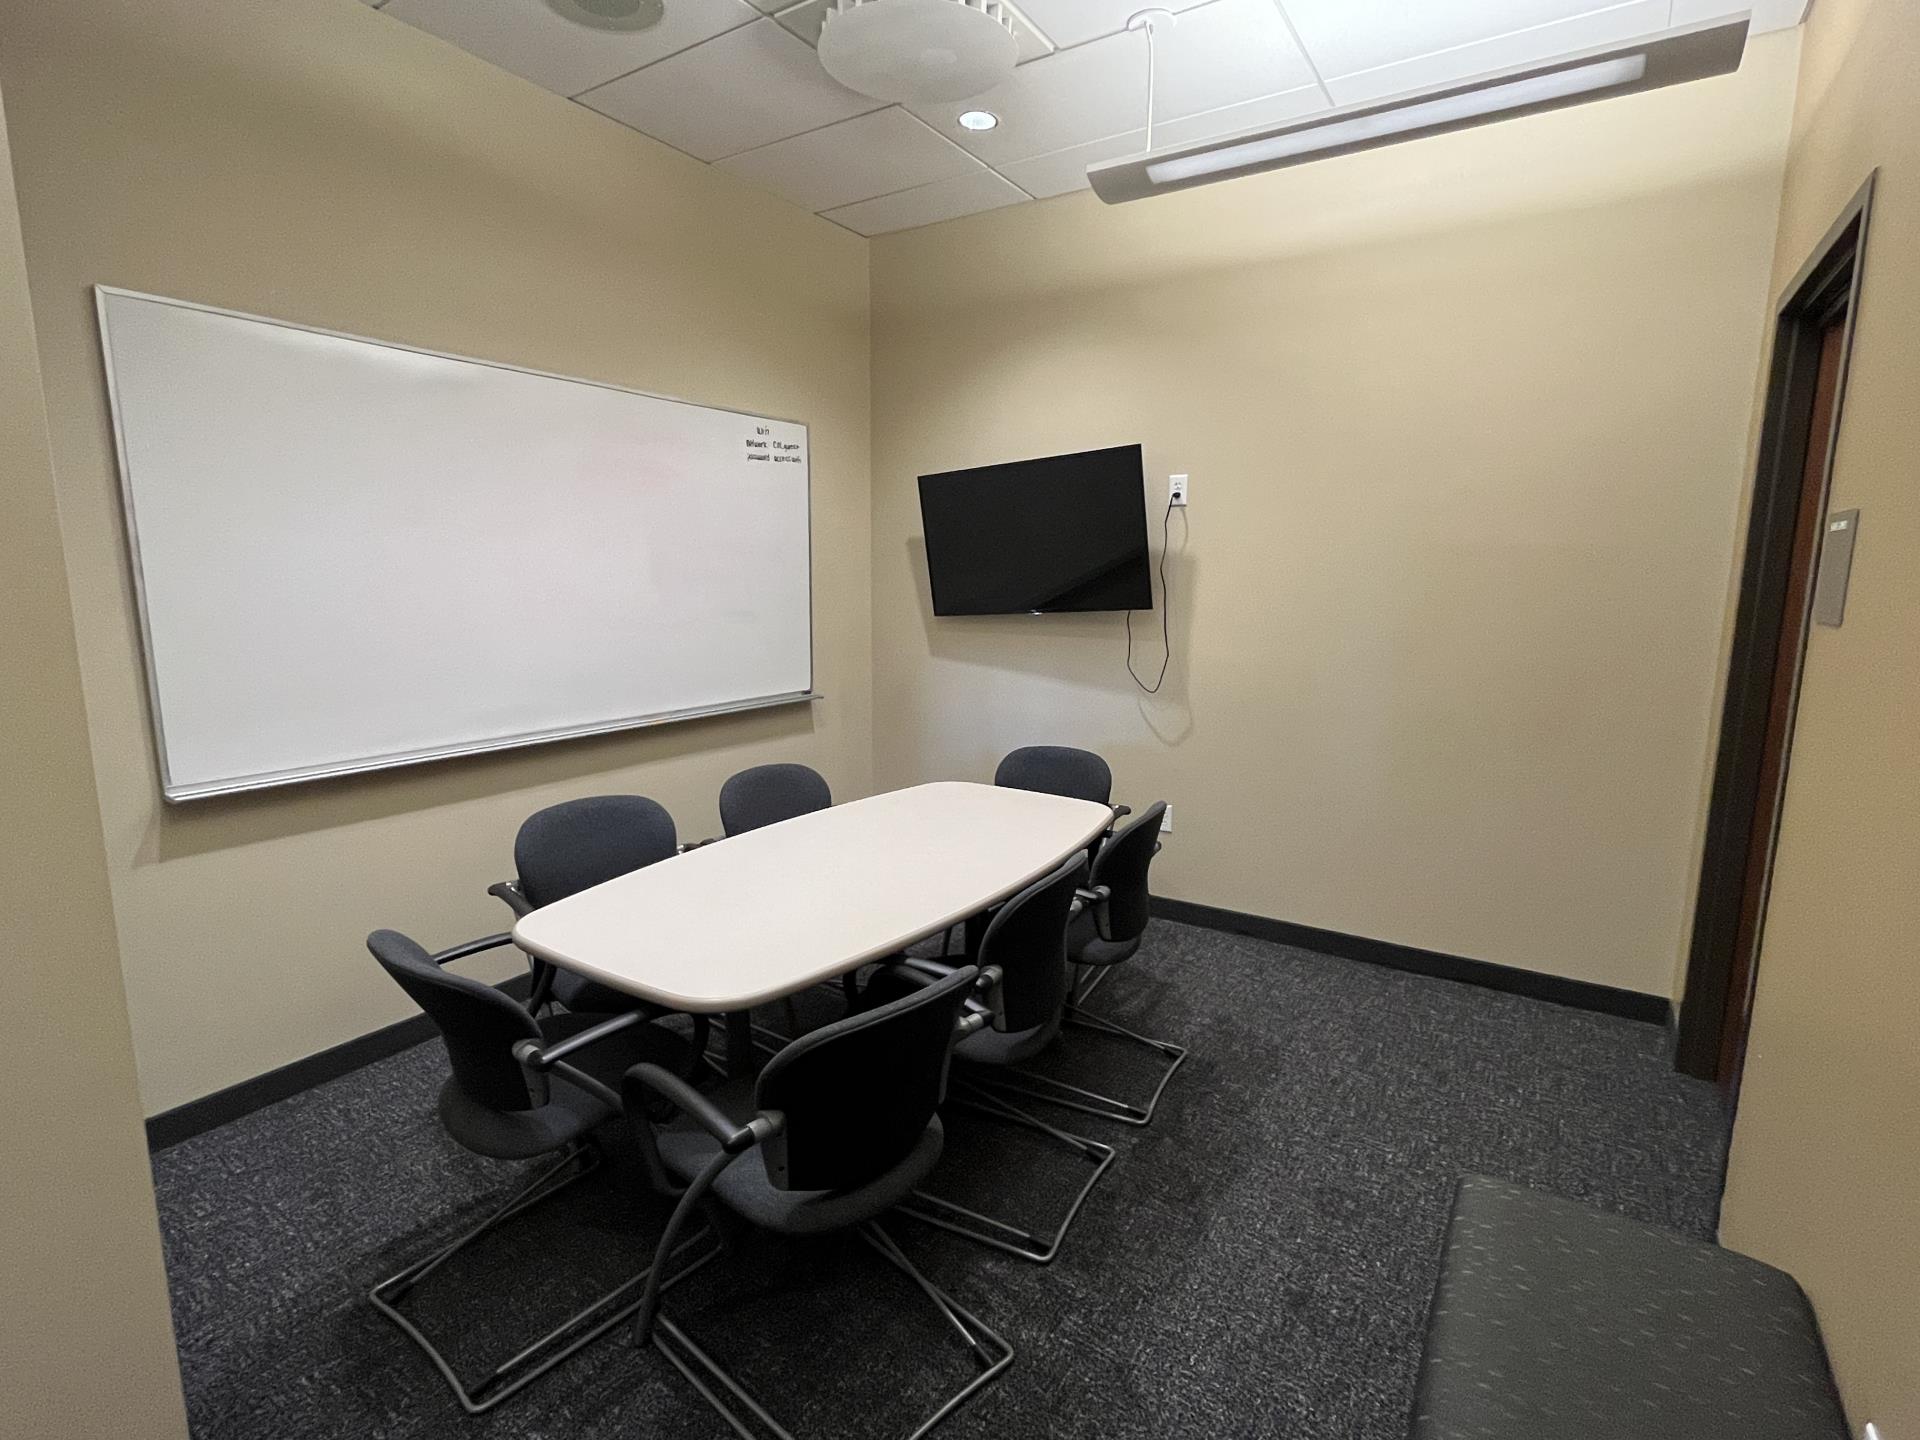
x=761, y=916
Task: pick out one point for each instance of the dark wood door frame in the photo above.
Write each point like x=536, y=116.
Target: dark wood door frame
x=1825, y=292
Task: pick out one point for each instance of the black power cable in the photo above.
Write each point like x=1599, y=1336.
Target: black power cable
x=1166, y=613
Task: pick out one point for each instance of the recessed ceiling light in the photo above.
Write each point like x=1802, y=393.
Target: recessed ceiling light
x=978, y=120
x=611, y=14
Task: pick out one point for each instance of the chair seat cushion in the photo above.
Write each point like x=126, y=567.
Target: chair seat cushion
x=1085, y=947
x=686, y=1148
x=985, y=1046
x=988, y=1046
x=570, y=1112
x=1553, y=1320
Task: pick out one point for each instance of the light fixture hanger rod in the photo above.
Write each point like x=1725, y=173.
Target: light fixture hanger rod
x=1152, y=22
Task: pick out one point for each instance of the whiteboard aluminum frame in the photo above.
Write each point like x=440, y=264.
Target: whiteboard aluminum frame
x=273, y=780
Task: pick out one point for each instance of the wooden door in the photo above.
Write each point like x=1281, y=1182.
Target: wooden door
x=1788, y=654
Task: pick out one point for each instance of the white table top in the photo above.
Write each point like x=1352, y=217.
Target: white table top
x=768, y=913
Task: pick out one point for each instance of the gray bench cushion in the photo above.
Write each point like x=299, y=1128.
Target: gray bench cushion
x=1552, y=1321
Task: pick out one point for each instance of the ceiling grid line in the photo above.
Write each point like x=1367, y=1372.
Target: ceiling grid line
x=1312, y=64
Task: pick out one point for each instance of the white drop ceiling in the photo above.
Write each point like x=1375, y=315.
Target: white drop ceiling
x=736, y=83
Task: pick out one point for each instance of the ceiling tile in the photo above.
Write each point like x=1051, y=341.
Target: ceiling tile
x=929, y=204
x=1074, y=22
x=1225, y=53
x=529, y=39
x=1344, y=37
x=1233, y=119
x=772, y=6
x=748, y=88
x=804, y=20
x=1220, y=54
x=857, y=159
x=1065, y=170
x=1767, y=14
x=1066, y=99
x=1372, y=52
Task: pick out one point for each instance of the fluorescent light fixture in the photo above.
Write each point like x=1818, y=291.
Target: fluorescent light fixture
x=1692, y=54
x=1448, y=110
x=978, y=120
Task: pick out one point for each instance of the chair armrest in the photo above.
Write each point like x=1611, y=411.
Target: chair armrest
x=510, y=891
x=545, y=1057
x=541, y=1060
x=1094, y=898
x=685, y=845
x=935, y=968
x=472, y=947
x=1121, y=811
x=734, y=1138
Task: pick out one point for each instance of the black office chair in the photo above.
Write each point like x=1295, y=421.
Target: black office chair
x=768, y=794
x=1106, y=933
x=500, y=1102
x=573, y=846
x=1057, y=770
x=1053, y=770
x=1022, y=958
x=765, y=795
x=846, y=1123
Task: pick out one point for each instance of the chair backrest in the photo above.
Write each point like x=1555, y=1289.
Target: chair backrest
x=767, y=794
x=480, y=1025
x=1121, y=865
x=858, y=1094
x=1057, y=770
x=1027, y=939
x=577, y=844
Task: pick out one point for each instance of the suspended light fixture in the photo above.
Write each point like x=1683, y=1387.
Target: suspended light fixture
x=918, y=50
x=1693, y=54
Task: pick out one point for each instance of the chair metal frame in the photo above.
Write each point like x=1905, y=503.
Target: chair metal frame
x=989, y=1349
x=957, y=1219
x=1032, y=1085
x=577, y=1160
x=984, y=1092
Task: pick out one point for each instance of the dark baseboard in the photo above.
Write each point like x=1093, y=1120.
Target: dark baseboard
x=1580, y=994
x=196, y=1117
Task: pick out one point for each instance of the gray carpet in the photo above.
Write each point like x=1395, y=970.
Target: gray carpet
x=1257, y=1263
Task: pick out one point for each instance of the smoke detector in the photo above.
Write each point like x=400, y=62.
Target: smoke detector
x=918, y=50
x=618, y=15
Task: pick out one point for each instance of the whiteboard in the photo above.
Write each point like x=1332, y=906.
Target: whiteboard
x=350, y=554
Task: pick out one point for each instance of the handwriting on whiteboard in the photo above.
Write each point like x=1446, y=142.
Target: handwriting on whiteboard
x=763, y=447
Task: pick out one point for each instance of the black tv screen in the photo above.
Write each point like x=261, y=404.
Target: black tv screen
x=1065, y=533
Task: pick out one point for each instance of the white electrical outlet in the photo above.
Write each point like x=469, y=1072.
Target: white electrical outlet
x=1176, y=489
x=1166, y=821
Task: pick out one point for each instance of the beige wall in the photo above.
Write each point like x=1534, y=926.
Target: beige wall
x=86, y=1344
x=1825, y=1173
x=324, y=163
x=1466, y=421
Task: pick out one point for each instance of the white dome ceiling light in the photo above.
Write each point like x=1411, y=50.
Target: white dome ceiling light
x=918, y=50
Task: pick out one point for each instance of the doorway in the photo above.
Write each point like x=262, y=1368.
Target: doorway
x=1805, y=392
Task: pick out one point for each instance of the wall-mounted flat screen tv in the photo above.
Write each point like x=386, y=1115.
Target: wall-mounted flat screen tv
x=1065, y=533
